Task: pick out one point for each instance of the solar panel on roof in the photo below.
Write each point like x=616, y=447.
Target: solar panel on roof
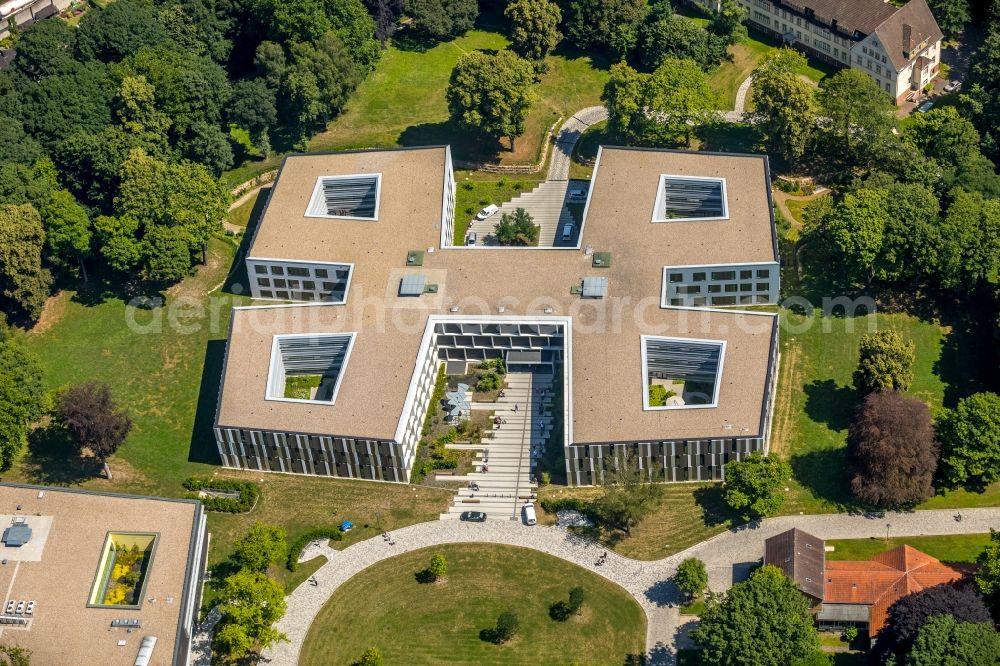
x=595, y=287
x=411, y=285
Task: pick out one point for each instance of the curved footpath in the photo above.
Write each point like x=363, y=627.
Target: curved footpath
x=727, y=556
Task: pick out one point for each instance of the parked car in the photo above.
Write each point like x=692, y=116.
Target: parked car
x=953, y=86
x=471, y=238
x=487, y=212
x=473, y=516
x=925, y=107
x=567, y=231
x=529, y=514
x=578, y=193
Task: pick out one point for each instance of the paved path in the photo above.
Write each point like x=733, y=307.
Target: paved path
x=741, y=95
x=569, y=134
x=727, y=556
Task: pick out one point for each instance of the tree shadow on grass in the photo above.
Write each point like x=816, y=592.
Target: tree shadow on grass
x=424, y=577
x=414, y=41
x=968, y=362
x=53, y=459
x=714, y=510
x=203, y=448
x=728, y=137
x=829, y=404
x=824, y=473
x=467, y=145
x=105, y=286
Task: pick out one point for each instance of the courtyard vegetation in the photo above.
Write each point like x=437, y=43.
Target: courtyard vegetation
x=441, y=623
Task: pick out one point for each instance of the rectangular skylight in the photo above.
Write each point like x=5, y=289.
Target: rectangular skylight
x=595, y=287
x=412, y=285
x=348, y=197
x=308, y=367
x=684, y=198
x=681, y=373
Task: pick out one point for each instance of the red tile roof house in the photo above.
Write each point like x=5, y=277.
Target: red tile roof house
x=855, y=593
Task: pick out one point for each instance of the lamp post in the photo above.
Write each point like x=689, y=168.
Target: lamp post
x=887, y=527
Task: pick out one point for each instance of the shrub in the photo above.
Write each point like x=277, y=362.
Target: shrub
x=546, y=478
x=657, y=395
x=569, y=503
x=576, y=597
x=494, y=364
x=249, y=492
x=849, y=634
x=489, y=381
x=559, y=611
x=371, y=657
x=438, y=566
x=507, y=626
x=885, y=363
x=295, y=549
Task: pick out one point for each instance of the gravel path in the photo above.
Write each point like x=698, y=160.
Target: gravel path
x=741, y=95
x=727, y=556
x=569, y=134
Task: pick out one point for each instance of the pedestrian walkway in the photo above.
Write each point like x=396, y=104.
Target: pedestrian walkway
x=725, y=555
x=505, y=463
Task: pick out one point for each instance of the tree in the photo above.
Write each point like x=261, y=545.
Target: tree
x=885, y=363
x=728, y=21
x=442, y=19
x=516, y=228
x=11, y=655
x=691, y=577
x=135, y=110
x=111, y=34
x=911, y=240
x=253, y=107
x=753, y=484
x=906, y=616
x=534, y=27
x=46, y=49
x=577, y=595
x=891, y=451
x=93, y=420
x=262, y=546
x=611, y=24
x=855, y=227
x=676, y=99
x=371, y=657
x=19, y=148
x=23, y=280
x=59, y=106
x=784, y=105
x=352, y=23
x=970, y=440
x=207, y=145
x=507, y=625
x=561, y=611
x=673, y=36
x=628, y=493
x=944, y=135
x=438, y=567
x=250, y=604
x=67, y=229
x=860, y=116
x=492, y=93
x=22, y=399
x=944, y=642
x=766, y=605
x=623, y=96
x=951, y=15
x=987, y=576
x=970, y=250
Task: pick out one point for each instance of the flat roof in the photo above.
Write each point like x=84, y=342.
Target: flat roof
x=607, y=380
x=57, y=568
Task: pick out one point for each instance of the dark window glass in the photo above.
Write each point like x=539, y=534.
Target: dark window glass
x=689, y=289
x=746, y=275
x=277, y=270
x=715, y=288
x=322, y=273
x=763, y=274
x=293, y=284
x=308, y=284
x=266, y=294
x=329, y=286
x=263, y=282
x=723, y=275
x=746, y=286
x=280, y=283
x=298, y=272
x=281, y=294
x=260, y=270
x=730, y=288
x=676, y=277
x=698, y=277
x=724, y=300
x=762, y=286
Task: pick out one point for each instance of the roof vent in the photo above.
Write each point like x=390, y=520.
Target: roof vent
x=595, y=287
x=453, y=308
x=145, y=651
x=412, y=285
x=16, y=535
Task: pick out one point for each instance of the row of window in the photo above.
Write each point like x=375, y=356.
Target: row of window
x=762, y=274
x=310, y=285
x=718, y=288
x=299, y=271
x=718, y=301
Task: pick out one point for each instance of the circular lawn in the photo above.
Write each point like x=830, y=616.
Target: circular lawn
x=410, y=622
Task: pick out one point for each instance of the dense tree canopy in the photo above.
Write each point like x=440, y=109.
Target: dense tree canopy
x=612, y=24
x=754, y=485
x=262, y=546
x=970, y=440
x=951, y=15
x=859, y=117
x=516, y=228
x=891, y=451
x=760, y=622
x=885, y=362
x=250, y=604
x=667, y=35
x=93, y=420
x=22, y=398
x=987, y=576
x=441, y=19
x=628, y=493
x=24, y=281
x=944, y=642
x=119, y=30
x=784, y=105
x=492, y=93
x=691, y=577
x=534, y=27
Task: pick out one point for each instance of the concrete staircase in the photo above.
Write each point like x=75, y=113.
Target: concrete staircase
x=545, y=204
x=505, y=461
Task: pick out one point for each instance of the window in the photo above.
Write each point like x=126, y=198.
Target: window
x=353, y=197
x=762, y=286
x=294, y=284
x=763, y=274
x=264, y=282
x=687, y=198
x=715, y=288
x=681, y=372
x=689, y=289
x=724, y=300
x=260, y=270
x=677, y=277
x=297, y=271
x=746, y=275
x=283, y=295
x=723, y=275
x=266, y=294
x=131, y=552
x=277, y=270
x=730, y=288
x=320, y=273
x=308, y=367
x=697, y=277
x=309, y=284
x=280, y=283
x=746, y=286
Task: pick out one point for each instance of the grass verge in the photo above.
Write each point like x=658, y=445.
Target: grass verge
x=961, y=548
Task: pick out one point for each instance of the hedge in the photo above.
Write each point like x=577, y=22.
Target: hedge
x=295, y=549
x=571, y=503
x=249, y=492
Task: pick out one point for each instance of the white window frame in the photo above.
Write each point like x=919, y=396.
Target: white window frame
x=645, y=372
x=658, y=206
x=318, y=189
x=276, y=353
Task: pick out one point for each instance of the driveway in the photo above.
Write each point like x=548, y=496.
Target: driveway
x=728, y=556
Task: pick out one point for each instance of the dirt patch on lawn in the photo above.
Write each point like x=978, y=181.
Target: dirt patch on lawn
x=789, y=377
x=52, y=312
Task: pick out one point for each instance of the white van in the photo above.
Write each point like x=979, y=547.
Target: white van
x=529, y=514
x=567, y=232
x=487, y=212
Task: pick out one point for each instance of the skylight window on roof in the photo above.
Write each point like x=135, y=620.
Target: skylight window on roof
x=681, y=373
x=348, y=197
x=684, y=198
x=308, y=367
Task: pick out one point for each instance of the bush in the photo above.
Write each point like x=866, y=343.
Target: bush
x=295, y=549
x=849, y=634
x=569, y=503
x=489, y=381
x=507, y=626
x=576, y=597
x=559, y=611
x=438, y=566
x=494, y=364
x=249, y=492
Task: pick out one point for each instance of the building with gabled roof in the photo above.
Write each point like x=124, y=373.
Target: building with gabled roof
x=855, y=593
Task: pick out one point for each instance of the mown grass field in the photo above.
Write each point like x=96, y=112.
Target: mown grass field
x=438, y=623
x=961, y=548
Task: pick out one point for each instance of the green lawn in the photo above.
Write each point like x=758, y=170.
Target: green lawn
x=796, y=206
x=963, y=548
x=816, y=398
x=476, y=189
x=439, y=623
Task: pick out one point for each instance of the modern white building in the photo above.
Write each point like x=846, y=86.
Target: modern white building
x=336, y=380
x=899, y=47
